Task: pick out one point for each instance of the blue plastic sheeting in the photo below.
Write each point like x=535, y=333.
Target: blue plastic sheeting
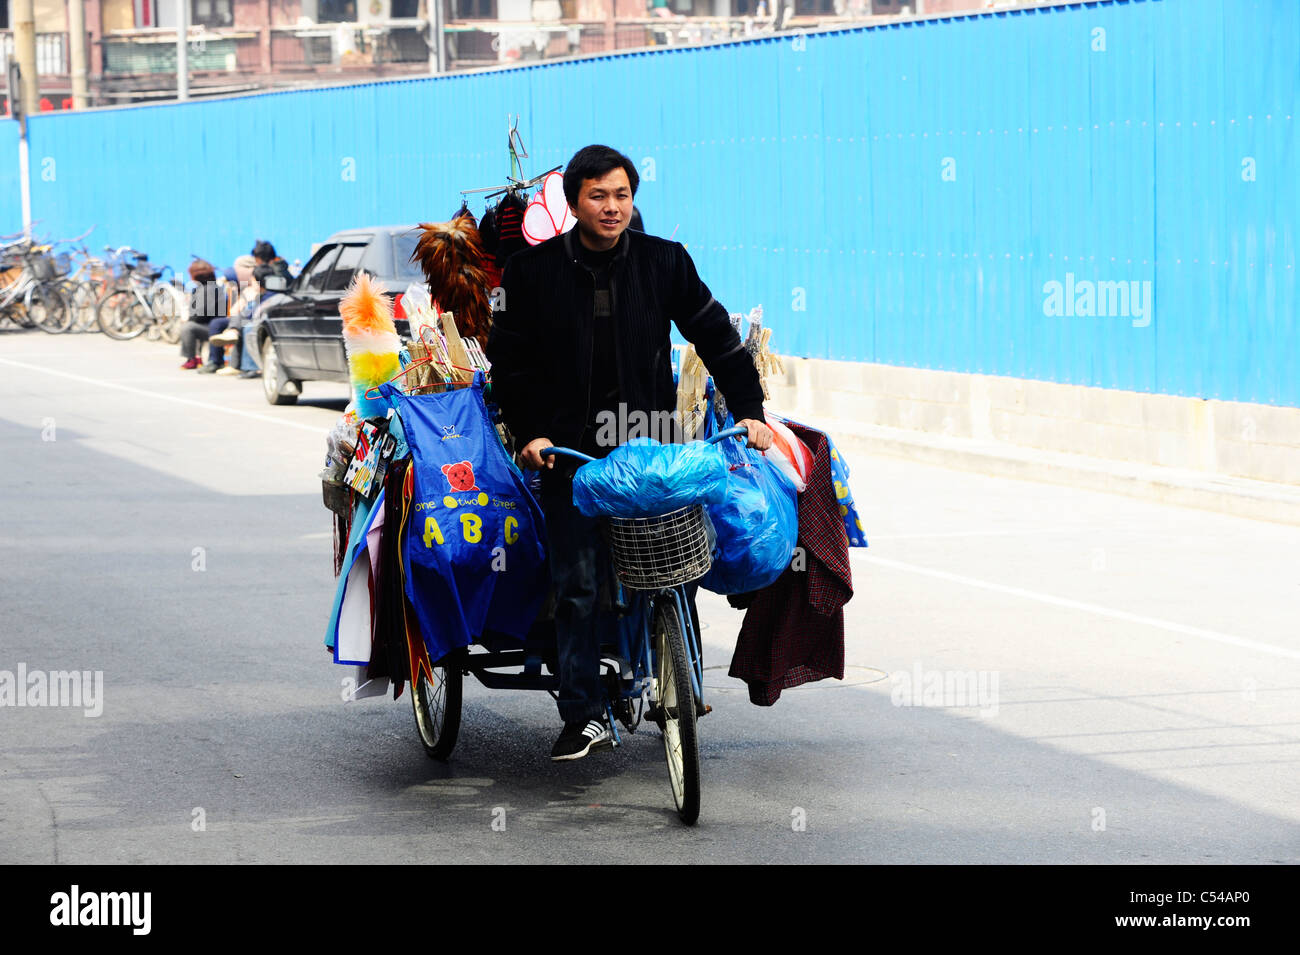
x=1101, y=194
x=11, y=198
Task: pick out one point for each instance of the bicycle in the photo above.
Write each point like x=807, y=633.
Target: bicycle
x=31, y=297
x=662, y=670
x=89, y=282
x=142, y=302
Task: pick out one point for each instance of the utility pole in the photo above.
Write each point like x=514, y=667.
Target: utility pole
x=437, y=38
x=77, y=64
x=18, y=112
x=25, y=52
x=27, y=93
x=182, y=49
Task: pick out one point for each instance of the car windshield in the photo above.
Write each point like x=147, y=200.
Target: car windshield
x=403, y=246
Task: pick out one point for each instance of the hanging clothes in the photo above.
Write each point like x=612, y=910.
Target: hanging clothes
x=474, y=547
x=502, y=232
x=793, y=632
x=840, y=481
x=388, y=653
x=348, y=633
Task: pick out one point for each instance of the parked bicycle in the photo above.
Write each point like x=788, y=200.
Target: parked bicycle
x=144, y=302
x=91, y=279
x=30, y=295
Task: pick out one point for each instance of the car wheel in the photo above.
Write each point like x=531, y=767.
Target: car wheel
x=272, y=378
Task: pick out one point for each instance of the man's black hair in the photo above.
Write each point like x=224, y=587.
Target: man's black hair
x=263, y=251
x=592, y=162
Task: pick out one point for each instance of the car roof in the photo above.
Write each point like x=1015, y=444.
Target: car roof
x=371, y=230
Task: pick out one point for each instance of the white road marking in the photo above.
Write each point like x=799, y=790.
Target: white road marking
x=1097, y=609
x=85, y=379
x=1000, y=532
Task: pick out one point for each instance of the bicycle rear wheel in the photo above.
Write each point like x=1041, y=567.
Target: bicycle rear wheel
x=121, y=316
x=676, y=708
x=169, y=311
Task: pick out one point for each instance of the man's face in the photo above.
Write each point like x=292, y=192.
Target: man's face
x=604, y=208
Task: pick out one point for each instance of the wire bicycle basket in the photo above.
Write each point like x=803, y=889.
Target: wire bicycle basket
x=651, y=553
x=664, y=551
x=43, y=267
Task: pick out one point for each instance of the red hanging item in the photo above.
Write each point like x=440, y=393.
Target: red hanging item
x=793, y=631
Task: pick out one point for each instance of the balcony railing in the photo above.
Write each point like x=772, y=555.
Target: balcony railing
x=328, y=47
x=51, y=53
x=140, y=64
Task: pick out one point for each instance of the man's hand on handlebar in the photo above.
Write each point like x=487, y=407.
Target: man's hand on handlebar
x=532, y=458
x=760, y=435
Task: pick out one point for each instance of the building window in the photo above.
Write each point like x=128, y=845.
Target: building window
x=212, y=13
x=814, y=8
x=336, y=11
x=475, y=9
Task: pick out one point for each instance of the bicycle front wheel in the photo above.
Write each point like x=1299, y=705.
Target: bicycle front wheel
x=437, y=709
x=47, y=307
x=121, y=316
x=676, y=708
x=83, y=299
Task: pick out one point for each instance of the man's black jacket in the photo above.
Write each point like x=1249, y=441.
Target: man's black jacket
x=541, y=341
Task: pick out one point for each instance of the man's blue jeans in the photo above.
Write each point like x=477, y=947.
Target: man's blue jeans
x=579, y=559
x=247, y=360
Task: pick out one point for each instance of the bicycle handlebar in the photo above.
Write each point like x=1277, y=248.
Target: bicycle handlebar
x=77, y=239
x=734, y=431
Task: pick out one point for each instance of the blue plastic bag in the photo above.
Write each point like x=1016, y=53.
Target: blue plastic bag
x=644, y=478
x=757, y=523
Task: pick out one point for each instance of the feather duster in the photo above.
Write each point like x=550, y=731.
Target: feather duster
x=451, y=255
x=371, y=342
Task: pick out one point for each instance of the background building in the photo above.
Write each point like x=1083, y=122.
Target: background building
x=245, y=45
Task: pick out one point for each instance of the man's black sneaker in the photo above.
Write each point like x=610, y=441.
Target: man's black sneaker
x=578, y=738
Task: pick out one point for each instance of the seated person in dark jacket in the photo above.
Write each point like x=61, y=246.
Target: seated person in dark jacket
x=584, y=339
x=207, y=301
x=264, y=253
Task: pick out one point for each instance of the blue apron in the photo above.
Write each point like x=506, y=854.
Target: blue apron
x=475, y=549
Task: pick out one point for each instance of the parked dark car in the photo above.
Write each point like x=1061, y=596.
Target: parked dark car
x=301, y=337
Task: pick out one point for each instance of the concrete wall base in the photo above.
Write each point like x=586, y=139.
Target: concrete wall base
x=1226, y=456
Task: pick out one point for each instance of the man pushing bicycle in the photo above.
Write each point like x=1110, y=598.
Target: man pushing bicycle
x=582, y=339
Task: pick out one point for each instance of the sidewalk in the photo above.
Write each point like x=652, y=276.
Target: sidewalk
x=1261, y=500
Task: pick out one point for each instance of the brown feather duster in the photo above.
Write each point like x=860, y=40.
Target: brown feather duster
x=451, y=255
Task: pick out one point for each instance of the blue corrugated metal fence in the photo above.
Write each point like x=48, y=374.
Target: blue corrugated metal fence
x=1100, y=194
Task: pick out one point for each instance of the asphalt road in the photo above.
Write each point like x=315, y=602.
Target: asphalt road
x=1140, y=669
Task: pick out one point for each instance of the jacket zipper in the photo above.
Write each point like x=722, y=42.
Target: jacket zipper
x=591, y=351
